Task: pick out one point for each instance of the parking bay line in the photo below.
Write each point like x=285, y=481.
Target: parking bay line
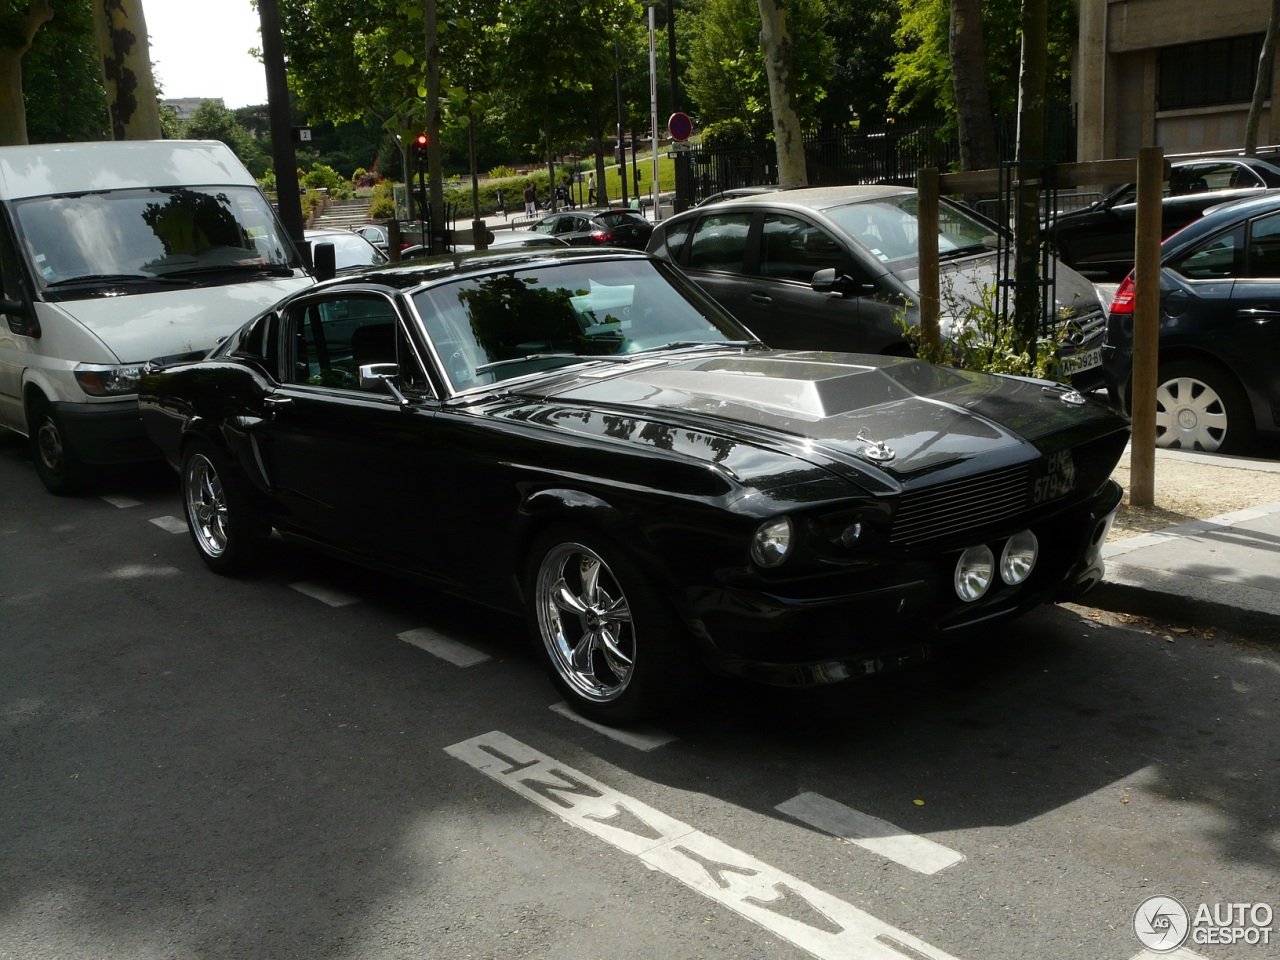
x=1182, y=953
x=871, y=833
x=122, y=502
x=334, y=598
x=814, y=921
x=459, y=654
x=170, y=524
x=642, y=738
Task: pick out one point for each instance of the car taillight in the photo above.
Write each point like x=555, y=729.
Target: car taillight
x=1122, y=302
x=600, y=236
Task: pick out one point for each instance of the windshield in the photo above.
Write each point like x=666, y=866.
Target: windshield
x=484, y=329
x=889, y=230
x=145, y=234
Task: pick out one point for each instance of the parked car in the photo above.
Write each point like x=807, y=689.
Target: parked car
x=1217, y=387
x=733, y=193
x=110, y=254
x=585, y=437
x=1098, y=240
x=607, y=228
x=501, y=238
x=836, y=268
x=351, y=250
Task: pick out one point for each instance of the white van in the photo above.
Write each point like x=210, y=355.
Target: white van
x=112, y=254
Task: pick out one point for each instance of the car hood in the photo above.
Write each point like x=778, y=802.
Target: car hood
x=141, y=327
x=967, y=280
x=876, y=420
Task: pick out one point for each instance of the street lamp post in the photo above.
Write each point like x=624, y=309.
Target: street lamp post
x=653, y=109
x=622, y=147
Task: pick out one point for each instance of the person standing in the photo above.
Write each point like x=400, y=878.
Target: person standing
x=591, y=189
x=530, y=200
x=502, y=208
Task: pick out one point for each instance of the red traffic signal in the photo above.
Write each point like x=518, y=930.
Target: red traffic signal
x=422, y=141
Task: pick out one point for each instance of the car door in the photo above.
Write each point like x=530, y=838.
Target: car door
x=715, y=257
x=1254, y=343
x=331, y=450
x=16, y=333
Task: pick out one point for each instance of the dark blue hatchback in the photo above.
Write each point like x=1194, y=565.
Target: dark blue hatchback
x=1218, y=385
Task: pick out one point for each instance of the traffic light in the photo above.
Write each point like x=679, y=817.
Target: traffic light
x=420, y=152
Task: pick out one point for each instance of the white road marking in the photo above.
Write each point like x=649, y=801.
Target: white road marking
x=1180, y=954
x=170, y=524
x=122, y=502
x=459, y=654
x=871, y=833
x=814, y=921
x=642, y=738
x=334, y=598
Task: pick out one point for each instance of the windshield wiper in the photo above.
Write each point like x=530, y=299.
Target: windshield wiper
x=694, y=344
x=582, y=357
x=270, y=269
x=99, y=279
x=966, y=251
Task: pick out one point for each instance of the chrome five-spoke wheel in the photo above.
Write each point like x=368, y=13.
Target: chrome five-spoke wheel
x=206, y=506
x=225, y=526
x=585, y=622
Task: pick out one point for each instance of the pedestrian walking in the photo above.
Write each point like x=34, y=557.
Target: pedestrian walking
x=530, y=200
x=502, y=208
x=591, y=189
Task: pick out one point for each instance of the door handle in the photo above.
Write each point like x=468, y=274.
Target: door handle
x=275, y=404
x=1257, y=313
x=761, y=298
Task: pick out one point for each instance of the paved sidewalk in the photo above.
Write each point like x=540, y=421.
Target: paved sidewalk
x=1224, y=571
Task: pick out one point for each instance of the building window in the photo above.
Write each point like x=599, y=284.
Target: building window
x=1208, y=73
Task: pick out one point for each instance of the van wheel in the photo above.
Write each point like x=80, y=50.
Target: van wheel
x=59, y=469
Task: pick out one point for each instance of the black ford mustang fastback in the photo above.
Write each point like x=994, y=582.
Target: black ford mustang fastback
x=586, y=438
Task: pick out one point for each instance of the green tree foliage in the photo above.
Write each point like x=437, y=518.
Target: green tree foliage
x=61, y=79
x=726, y=66
x=213, y=121
x=921, y=68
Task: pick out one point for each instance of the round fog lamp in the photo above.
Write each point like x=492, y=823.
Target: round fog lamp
x=974, y=571
x=1019, y=557
x=772, y=542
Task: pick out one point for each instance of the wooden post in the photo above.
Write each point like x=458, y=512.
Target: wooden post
x=927, y=243
x=1146, y=327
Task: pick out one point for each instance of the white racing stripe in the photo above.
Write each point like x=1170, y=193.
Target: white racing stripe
x=642, y=738
x=805, y=916
x=170, y=524
x=459, y=654
x=871, y=833
x=334, y=598
x=1181, y=954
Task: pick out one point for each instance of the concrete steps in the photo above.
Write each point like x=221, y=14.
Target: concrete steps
x=344, y=214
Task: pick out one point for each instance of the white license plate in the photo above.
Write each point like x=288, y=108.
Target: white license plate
x=1078, y=363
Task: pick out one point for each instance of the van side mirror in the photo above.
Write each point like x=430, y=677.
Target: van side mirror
x=325, y=261
x=22, y=320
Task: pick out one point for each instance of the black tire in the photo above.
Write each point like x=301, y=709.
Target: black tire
x=610, y=642
x=225, y=525
x=1200, y=406
x=57, y=465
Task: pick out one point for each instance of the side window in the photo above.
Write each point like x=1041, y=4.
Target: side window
x=792, y=249
x=332, y=338
x=1194, y=178
x=720, y=243
x=10, y=271
x=1218, y=258
x=673, y=240
x=259, y=343
x=1264, y=247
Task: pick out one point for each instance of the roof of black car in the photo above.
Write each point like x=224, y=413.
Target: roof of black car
x=817, y=198
x=415, y=273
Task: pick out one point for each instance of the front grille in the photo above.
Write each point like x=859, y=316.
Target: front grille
x=1084, y=326
x=951, y=509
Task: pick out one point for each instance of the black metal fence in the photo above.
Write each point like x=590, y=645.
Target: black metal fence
x=890, y=154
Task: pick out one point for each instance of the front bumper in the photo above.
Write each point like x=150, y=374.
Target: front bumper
x=877, y=620
x=105, y=433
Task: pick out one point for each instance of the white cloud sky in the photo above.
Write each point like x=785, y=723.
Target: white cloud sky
x=202, y=50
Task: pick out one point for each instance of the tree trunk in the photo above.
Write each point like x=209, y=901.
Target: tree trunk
x=974, y=120
x=1262, y=83
x=775, y=41
x=1026, y=240
x=121, y=33
x=13, y=110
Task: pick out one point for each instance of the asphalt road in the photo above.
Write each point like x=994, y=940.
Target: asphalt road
x=197, y=767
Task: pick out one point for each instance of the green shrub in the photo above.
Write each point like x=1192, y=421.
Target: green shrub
x=383, y=205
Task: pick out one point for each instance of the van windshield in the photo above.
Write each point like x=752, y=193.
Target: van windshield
x=152, y=234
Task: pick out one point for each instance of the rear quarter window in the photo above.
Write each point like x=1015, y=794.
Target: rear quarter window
x=719, y=242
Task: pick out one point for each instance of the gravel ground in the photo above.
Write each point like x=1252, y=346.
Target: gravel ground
x=1191, y=486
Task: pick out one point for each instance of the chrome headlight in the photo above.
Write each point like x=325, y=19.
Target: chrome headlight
x=108, y=380
x=1019, y=557
x=974, y=571
x=772, y=542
